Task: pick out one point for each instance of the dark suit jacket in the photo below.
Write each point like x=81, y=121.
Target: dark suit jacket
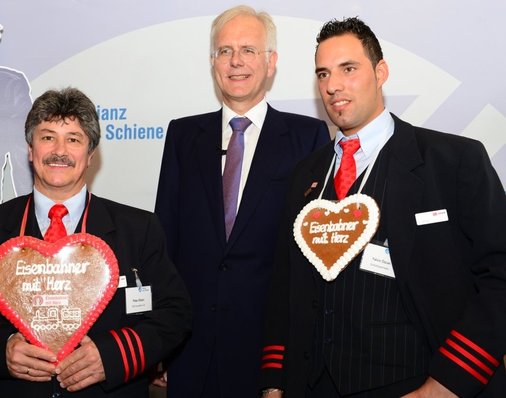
x=227, y=281
x=451, y=275
x=136, y=238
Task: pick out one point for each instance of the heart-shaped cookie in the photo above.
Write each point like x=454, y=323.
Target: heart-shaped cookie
x=54, y=292
x=331, y=234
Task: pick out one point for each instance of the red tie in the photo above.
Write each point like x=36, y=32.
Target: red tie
x=347, y=173
x=56, y=229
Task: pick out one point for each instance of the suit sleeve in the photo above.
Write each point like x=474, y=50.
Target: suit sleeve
x=128, y=351
x=6, y=329
x=167, y=197
x=473, y=350
x=322, y=136
x=277, y=319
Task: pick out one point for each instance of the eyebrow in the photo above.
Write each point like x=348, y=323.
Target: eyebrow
x=46, y=130
x=341, y=65
x=321, y=70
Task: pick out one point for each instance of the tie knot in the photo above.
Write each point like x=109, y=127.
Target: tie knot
x=350, y=146
x=57, y=211
x=239, y=124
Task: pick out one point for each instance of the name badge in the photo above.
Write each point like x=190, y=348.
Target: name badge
x=376, y=259
x=431, y=217
x=122, y=281
x=138, y=299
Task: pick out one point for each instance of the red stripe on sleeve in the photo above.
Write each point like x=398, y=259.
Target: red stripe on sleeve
x=123, y=354
x=463, y=365
x=132, y=352
x=273, y=356
x=478, y=349
x=140, y=347
x=274, y=348
x=272, y=365
x=472, y=358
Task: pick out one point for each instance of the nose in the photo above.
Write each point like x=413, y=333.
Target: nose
x=60, y=147
x=236, y=59
x=334, y=84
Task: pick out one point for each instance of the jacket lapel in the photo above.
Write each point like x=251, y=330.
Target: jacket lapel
x=266, y=161
x=209, y=157
x=98, y=221
x=403, y=196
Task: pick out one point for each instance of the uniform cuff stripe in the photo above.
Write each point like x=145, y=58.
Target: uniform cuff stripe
x=273, y=356
x=272, y=365
x=475, y=347
x=123, y=354
x=472, y=358
x=274, y=348
x=132, y=352
x=140, y=347
x=463, y=365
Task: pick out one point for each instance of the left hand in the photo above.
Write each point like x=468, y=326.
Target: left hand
x=160, y=379
x=431, y=389
x=81, y=368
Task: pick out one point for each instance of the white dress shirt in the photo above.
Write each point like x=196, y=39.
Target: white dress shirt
x=251, y=135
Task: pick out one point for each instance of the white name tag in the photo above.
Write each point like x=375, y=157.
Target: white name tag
x=122, y=281
x=138, y=299
x=431, y=217
x=376, y=259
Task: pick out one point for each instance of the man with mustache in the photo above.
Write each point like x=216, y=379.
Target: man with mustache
x=421, y=313
x=62, y=131
x=221, y=235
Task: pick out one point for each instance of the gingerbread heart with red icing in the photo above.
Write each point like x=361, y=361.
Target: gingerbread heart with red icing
x=54, y=292
x=331, y=234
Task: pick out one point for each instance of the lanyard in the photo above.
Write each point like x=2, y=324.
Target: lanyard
x=27, y=207
x=367, y=170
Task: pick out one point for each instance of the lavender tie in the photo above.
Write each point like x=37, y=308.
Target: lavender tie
x=232, y=172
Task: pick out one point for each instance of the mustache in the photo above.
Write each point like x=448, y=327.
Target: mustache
x=58, y=159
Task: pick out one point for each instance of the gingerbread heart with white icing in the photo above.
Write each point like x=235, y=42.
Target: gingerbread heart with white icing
x=54, y=292
x=331, y=234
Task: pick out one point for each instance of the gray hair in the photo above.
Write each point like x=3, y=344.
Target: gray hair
x=68, y=103
x=262, y=16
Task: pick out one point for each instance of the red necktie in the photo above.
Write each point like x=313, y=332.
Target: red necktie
x=56, y=229
x=347, y=173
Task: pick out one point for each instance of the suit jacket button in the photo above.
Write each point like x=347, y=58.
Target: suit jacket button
x=213, y=308
x=223, y=267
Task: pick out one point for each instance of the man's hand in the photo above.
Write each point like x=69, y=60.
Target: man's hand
x=81, y=368
x=28, y=362
x=159, y=379
x=431, y=389
x=274, y=393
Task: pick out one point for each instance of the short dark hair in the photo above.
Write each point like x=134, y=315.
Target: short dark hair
x=359, y=29
x=68, y=103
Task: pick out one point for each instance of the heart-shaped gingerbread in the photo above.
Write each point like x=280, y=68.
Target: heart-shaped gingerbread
x=54, y=292
x=331, y=234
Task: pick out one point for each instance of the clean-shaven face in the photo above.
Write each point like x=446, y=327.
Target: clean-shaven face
x=243, y=84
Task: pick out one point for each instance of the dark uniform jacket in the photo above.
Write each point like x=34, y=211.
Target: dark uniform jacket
x=128, y=344
x=451, y=276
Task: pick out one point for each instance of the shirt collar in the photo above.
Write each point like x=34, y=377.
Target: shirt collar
x=256, y=115
x=75, y=206
x=372, y=135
